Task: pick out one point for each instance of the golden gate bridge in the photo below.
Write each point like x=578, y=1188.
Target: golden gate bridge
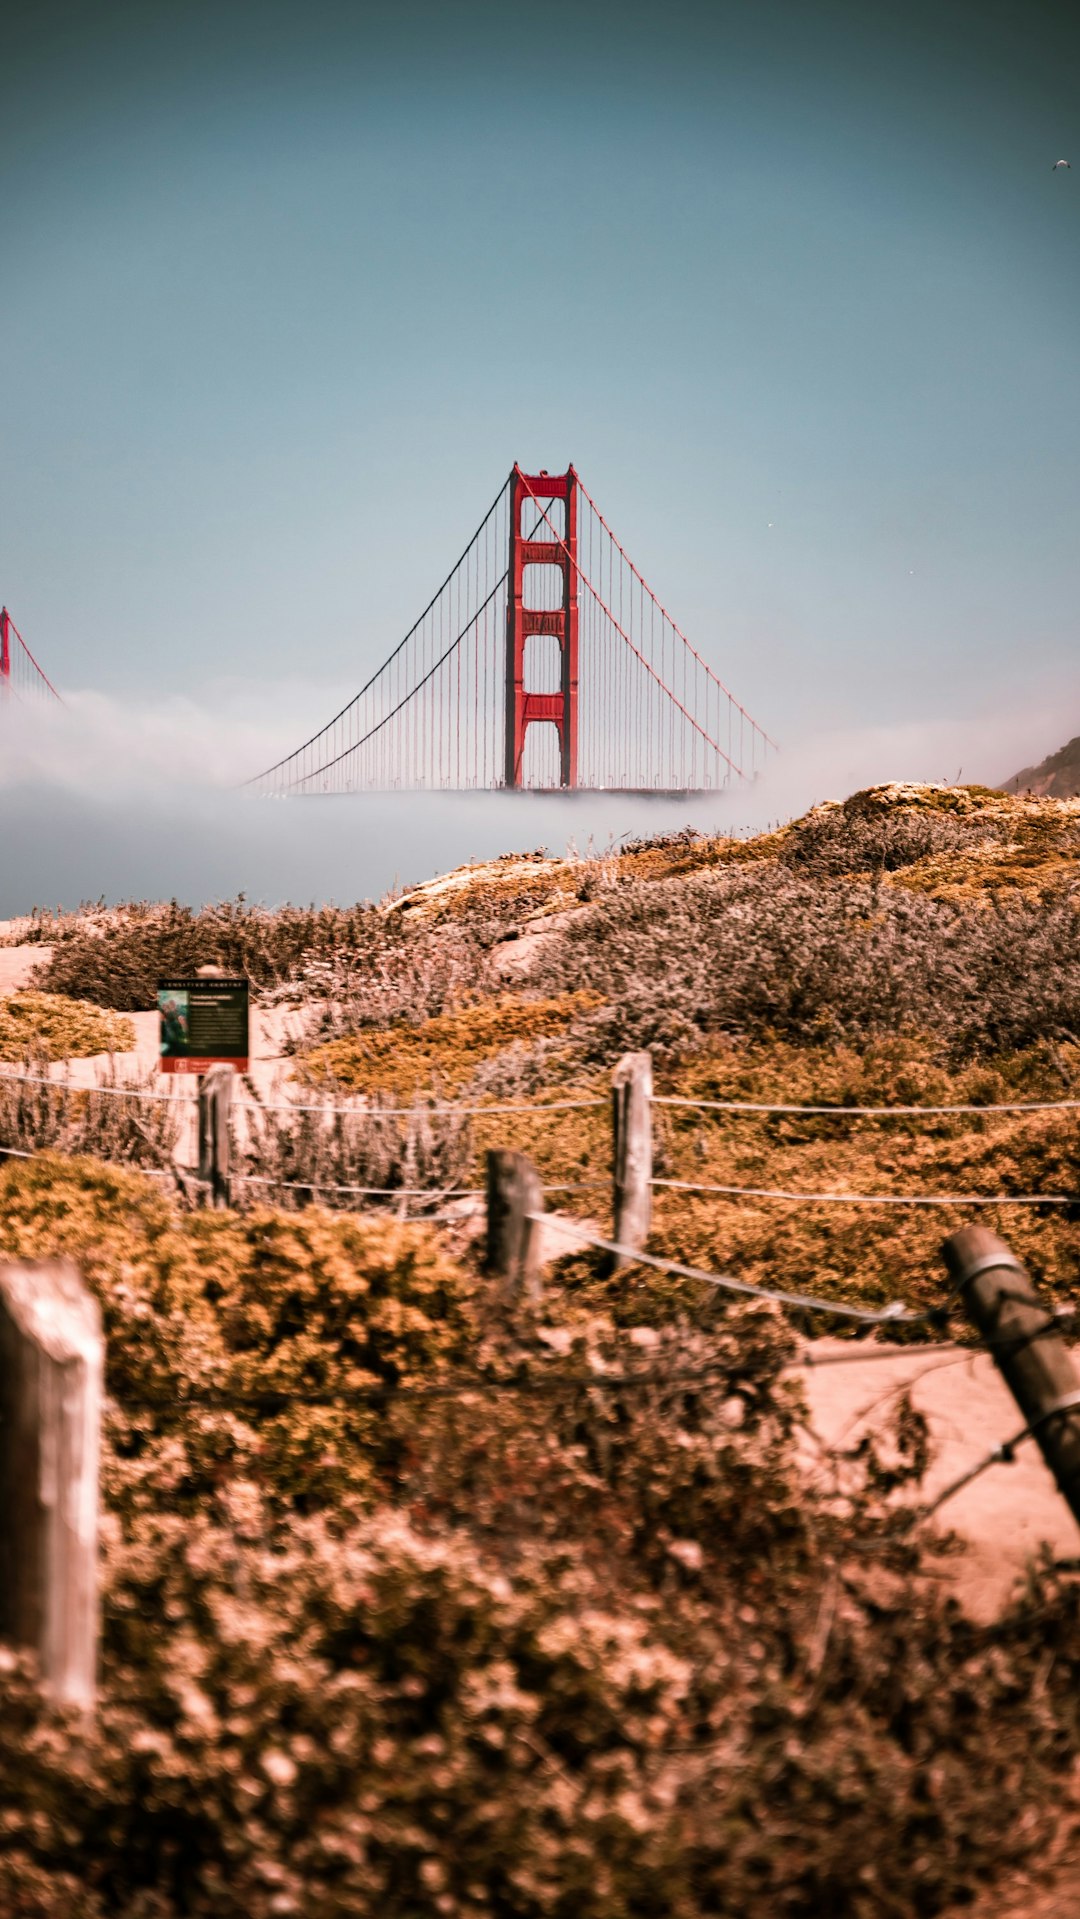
x=545, y=661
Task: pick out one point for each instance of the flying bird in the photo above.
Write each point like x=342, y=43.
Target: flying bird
x=1061, y=163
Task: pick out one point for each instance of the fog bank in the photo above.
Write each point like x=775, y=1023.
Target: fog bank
x=107, y=799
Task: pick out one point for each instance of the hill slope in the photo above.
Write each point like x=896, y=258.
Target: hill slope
x=1057, y=777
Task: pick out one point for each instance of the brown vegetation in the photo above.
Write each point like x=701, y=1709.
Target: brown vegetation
x=445, y=1051
x=54, y=1027
x=411, y=1610
x=570, y=1639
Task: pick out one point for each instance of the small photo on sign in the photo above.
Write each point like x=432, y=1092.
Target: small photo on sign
x=173, y=1007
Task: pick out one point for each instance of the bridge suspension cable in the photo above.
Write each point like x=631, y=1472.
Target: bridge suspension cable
x=655, y=715
x=544, y=660
x=21, y=678
x=428, y=716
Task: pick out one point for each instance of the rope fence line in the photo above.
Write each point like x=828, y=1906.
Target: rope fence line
x=875, y=1199
x=313, y=1185
x=410, y=1112
x=481, y=1383
x=862, y=1353
x=119, y=1166
x=895, y=1314
x=864, y=1112
x=180, y=1097
x=383, y=1192
x=632, y=1101
x=430, y=1102
x=426, y=1105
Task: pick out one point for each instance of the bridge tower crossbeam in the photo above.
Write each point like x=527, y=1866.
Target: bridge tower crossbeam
x=525, y=708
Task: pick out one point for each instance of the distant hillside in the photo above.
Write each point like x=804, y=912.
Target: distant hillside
x=1057, y=777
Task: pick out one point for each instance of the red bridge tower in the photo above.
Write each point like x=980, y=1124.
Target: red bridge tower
x=549, y=546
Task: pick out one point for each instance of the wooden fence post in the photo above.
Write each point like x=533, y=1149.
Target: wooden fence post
x=514, y=1190
x=999, y=1298
x=631, y=1111
x=52, y=1361
x=215, y=1093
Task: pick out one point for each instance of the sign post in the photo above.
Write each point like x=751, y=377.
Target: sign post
x=204, y=1030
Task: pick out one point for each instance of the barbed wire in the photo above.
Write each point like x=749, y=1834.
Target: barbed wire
x=1002, y=1453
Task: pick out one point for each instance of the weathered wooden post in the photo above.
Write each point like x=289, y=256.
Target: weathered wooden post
x=631, y=1111
x=215, y=1093
x=514, y=1191
x=52, y=1361
x=1037, y=1367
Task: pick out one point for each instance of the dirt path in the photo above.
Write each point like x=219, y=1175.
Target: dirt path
x=1006, y=1514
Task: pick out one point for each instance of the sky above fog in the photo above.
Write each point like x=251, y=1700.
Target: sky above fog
x=287, y=289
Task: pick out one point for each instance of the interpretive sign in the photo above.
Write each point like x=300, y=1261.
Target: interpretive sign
x=204, y=1022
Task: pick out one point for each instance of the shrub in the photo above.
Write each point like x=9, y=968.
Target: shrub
x=116, y=956
x=760, y=952
x=307, y=1154
x=445, y=1050
x=576, y=1641
x=403, y=975
x=38, y=1114
x=55, y=1027
x=862, y=838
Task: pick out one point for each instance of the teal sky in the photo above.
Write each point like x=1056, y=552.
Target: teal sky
x=287, y=289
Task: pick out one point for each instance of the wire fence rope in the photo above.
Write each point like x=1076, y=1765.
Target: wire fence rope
x=873, y=1199
x=894, y=1315
x=864, y=1112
